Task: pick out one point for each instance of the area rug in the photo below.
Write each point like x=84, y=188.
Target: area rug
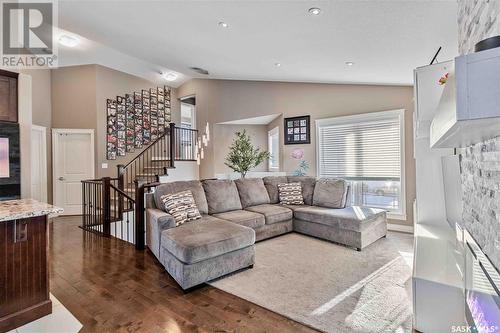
x=330, y=287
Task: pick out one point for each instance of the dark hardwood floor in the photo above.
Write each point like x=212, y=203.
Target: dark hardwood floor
x=111, y=287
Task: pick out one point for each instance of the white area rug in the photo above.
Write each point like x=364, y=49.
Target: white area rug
x=330, y=287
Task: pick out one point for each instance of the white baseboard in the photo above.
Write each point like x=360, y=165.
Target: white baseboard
x=400, y=228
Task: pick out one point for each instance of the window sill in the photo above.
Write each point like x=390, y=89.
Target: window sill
x=396, y=216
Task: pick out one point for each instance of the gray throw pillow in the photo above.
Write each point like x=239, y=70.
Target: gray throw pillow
x=252, y=192
x=222, y=195
x=290, y=194
x=331, y=193
x=181, y=206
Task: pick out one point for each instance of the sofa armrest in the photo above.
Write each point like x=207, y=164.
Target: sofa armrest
x=157, y=221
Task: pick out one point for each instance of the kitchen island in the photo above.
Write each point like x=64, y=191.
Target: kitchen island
x=24, y=262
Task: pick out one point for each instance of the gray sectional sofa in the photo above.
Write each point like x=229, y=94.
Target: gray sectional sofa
x=236, y=214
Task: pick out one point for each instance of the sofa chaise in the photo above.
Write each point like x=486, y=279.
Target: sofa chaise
x=236, y=214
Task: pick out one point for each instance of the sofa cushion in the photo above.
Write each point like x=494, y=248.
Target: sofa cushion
x=353, y=218
x=307, y=183
x=290, y=194
x=193, y=185
x=222, y=195
x=331, y=193
x=210, y=237
x=292, y=207
x=272, y=213
x=243, y=217
x=252, y=191
x=271, y=184
x=181, y=206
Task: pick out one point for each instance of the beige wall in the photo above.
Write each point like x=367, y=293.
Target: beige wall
x=111, y=83
x=79, y=96
x=226, y=100
x=223, y=136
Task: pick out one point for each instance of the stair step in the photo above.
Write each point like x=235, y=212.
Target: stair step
x=153, y=168
x=146, y=175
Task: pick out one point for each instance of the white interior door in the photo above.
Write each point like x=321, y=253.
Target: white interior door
x=73, y=161
x=39, y=163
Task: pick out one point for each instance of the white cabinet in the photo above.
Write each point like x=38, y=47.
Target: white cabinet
x=469, y=110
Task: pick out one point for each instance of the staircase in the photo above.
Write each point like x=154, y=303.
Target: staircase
x=113, y=207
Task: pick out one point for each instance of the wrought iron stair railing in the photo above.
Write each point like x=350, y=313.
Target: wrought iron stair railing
x=110, y=206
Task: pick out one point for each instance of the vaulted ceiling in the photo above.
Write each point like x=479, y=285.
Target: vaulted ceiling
x=385, y=40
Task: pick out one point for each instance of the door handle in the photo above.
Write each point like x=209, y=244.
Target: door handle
x=61, y=178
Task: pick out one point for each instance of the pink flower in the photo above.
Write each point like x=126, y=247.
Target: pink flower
x=297, y=153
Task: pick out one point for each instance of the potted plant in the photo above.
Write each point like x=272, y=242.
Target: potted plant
x=243, y=156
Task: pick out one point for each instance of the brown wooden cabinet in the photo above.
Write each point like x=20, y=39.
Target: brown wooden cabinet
x=24, y=275
x=8, y=96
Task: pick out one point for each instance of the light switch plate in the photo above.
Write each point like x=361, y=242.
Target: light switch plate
x=104, y=165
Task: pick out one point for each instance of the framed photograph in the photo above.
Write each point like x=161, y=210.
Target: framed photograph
x=297, y=130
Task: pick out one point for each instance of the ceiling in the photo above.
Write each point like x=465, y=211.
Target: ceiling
x=386, y=40
x=263, y=120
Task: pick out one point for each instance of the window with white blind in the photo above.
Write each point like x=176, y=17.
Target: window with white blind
x=367, y=150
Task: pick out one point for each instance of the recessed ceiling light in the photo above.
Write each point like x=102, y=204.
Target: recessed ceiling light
x=69, y=41
x=315, y=11
x=277, y=64
x=223, y=24
x=170, y=76
x=349, y=63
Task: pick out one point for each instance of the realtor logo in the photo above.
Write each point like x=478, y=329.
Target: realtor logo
x=28, y=34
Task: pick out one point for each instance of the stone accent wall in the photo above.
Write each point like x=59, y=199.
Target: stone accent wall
x=481, y=195
x=477, y=20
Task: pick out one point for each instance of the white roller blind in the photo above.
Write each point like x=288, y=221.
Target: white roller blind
x=361, y=149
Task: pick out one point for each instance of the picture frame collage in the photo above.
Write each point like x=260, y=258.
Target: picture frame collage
x=136, y=120
x=297, y=130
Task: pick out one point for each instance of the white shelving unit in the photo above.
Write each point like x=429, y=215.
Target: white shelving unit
x=438, y=299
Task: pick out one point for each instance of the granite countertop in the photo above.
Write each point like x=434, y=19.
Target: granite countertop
x=25, y=208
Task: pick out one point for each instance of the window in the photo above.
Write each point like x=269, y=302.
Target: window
x=188, y=120
x=366, y=150
x=274, y=149
x=188, y=115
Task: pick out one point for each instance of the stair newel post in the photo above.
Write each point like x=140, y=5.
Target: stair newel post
x=106, y=206
x=172, y=144
x=139, y=216
x=121, y=186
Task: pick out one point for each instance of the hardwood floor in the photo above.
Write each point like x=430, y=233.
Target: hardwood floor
x=111, y=287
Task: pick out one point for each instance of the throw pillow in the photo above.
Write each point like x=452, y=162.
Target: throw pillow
x=330, y=192
x=290, y=194
x=181, y=206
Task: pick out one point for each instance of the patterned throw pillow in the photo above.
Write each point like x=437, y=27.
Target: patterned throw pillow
x=290, y=194
x=181, y=206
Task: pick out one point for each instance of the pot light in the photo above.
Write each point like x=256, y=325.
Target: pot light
x=170, y=76
x=314, y=11
x=349, y=63
x=223, y=24
x=69, y=41
x=277, y=64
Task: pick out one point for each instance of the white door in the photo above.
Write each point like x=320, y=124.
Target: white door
x=73, y=161
x=39, y=163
